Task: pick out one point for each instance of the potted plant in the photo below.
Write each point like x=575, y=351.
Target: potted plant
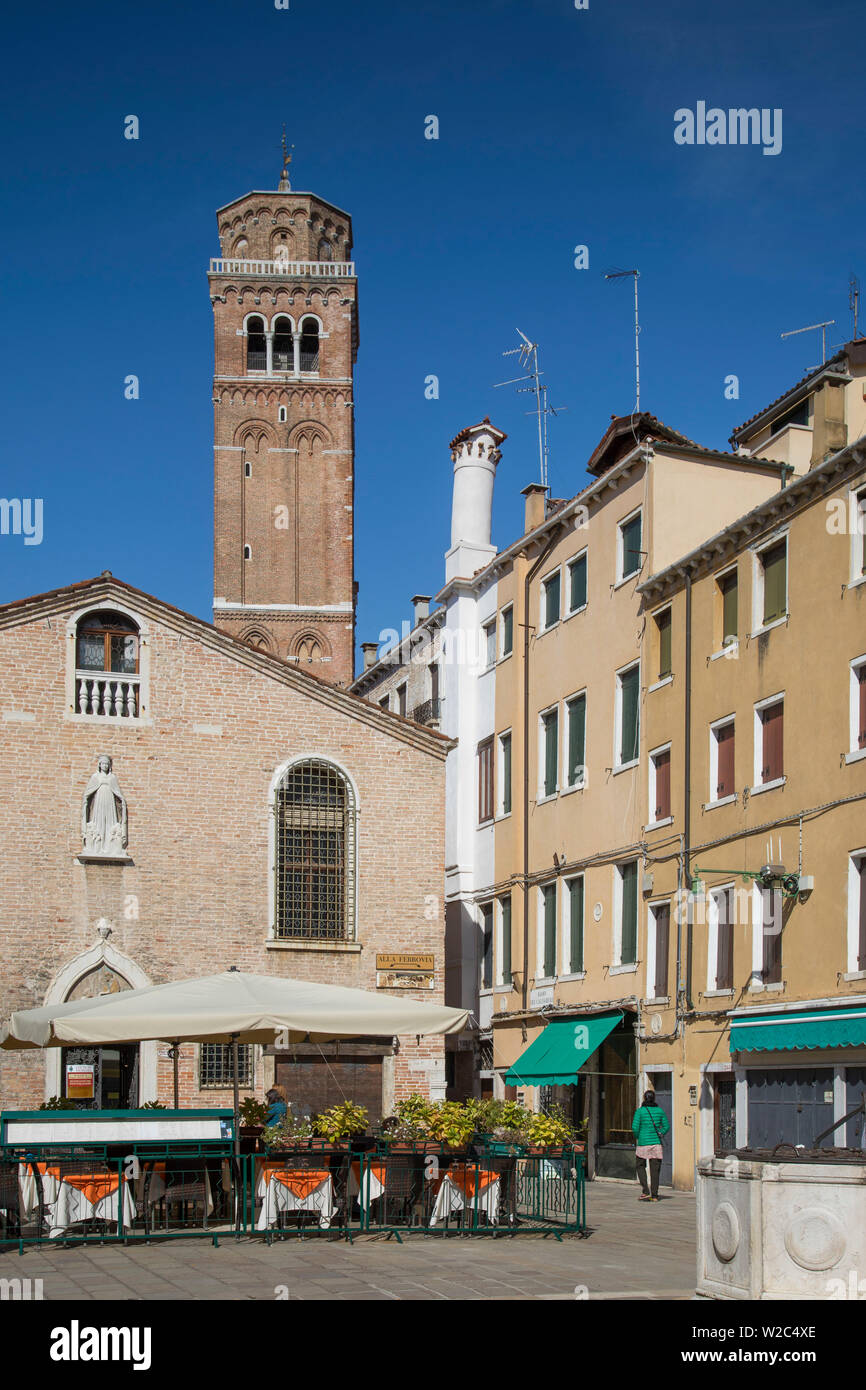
x=550, y=1132
x=451, y=1124
x=254, y=1117
x=342, y=1123
x=409, y=1127
x=292, y=1132
x=59, y=1103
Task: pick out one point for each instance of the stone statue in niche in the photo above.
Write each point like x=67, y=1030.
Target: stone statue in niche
x=103, y=814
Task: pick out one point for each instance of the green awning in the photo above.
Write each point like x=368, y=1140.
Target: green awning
x=797, y=1031
x=557, y=1055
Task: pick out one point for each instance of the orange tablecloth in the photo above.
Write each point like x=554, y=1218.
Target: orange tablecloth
x=463, y=1185
x=373, y=1185
x=468, y=1178
x=293, y=1189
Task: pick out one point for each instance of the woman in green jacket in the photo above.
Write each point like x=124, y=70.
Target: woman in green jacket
x=649, y=1127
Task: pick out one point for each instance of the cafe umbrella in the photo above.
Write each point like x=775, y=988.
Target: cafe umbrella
x=233, y=1007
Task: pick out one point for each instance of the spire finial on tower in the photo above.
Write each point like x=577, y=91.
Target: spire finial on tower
x=284, y=186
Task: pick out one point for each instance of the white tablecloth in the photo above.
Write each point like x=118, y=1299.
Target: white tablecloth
x=451, y=1198
x=71, y=1205
x=366, y=1188
x=276, y=1197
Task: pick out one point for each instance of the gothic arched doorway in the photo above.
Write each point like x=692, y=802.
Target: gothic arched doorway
x=100, y=1078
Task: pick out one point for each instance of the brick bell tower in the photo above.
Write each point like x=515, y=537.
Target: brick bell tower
x=285, y=302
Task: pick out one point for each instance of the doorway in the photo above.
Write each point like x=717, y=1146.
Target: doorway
x=724, y=1111
x=101, y=1078
x=662, y=1083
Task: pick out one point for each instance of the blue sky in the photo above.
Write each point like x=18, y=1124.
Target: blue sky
x=556, y=130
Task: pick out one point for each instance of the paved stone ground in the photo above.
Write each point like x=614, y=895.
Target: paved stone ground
x=643, y=1250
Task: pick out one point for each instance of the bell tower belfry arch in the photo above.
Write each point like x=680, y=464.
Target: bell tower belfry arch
x=285, y=304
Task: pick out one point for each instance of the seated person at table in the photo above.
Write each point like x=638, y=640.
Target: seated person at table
x=278, y=1105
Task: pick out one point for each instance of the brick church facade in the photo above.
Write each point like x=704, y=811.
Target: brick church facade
x=182, y=797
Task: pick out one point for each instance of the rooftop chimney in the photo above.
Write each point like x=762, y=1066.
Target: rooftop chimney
x=535, y=495
x=369, y=649
x=475, y=454
x=421, y=605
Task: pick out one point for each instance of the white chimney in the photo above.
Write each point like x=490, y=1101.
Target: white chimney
x=420, y=607
x=475, y=454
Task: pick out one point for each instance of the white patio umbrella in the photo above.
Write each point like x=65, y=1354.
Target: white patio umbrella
x=232, y=1007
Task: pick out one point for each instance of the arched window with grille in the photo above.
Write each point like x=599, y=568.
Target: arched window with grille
x=315, y=816
x=257, y=347
x=309, y=345
x=284, y=345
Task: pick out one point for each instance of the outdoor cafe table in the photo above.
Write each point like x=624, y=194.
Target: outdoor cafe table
x=281, y=1188
x=75, y=1197
x=369, y=1188
x=465, y=1185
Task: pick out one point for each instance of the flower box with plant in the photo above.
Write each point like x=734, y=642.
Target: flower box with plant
x=293, y=1132
x=550, y=1132
x=408, y=1129
x=59, y=1103
x=451, y=1124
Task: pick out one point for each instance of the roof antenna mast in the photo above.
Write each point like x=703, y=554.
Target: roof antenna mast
x=854, y=299
x=527, y=354
x=808, y=329
x=623, y=275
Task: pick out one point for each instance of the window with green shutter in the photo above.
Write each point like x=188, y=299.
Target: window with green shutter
x=628, y=913
x=551, y=600
x=505, y=927
x=576, y=740
x=630, y=532
x=487, y=946
x=663, y=627
x=577, y=584
x=575, y=914
x=730, y=606
x=550, y=722
x=505, y=745
x=629, y=693
x=549, y=908
x=861, y=528
x=774, y=563
x=507, y=631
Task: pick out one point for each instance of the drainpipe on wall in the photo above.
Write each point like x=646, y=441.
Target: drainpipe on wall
x=552, y=539
x=687, y=792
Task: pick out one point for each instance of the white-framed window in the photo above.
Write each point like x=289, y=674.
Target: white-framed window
x=551, y=600
x=770, y=587
x=506, y=631
x=660, y=785
x=402, y=698
x=727, y=584
x=629, y=545
x=575, y=729
x=722, y=759
x=577, y=582
x=314, y=852
x=488, y=631
x=282, y=414
x=857, y=707
x=572, y=930
x=548, y=753
x=248, y=469
x=546, y=953
x=627, y=716
x=658, y=950
x=721, y=917
x=663, y=625
x=385, y=702
x=857, y=912
x=503, y=778
x=769, y=766
x=248, y=552
x=625, y=917
x=503, y=940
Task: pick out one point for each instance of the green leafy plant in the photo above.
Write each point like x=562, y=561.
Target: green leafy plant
x=153, y=1105
x=253, y=1112
x=341, y=1121
x=550, y=1130
x=450, y=1123
x=58, y=1103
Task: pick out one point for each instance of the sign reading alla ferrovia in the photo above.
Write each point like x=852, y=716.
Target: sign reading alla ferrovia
x=404, y=962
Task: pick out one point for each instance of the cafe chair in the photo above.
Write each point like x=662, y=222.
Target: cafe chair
x=186, y=1186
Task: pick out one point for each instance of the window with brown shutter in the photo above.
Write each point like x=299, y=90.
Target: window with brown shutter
x=771, y=972
x=663, y=627
x=861, y=945
x=772, y=720
x=861, y=724
x=725, y=940
x=485, y=781
x=663, y=932
x=725, y=761
x=662, y=764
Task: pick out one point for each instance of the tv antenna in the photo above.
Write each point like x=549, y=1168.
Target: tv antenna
x=854, y=299
x=623, y=275
x=527, y=355
x=809, y=329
